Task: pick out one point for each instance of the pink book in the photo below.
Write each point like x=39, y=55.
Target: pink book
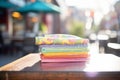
x=64, y=60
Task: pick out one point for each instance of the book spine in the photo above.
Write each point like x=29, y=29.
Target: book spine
x=64, y=46
x=65, y=55
x=45, y=50
x=49, y=41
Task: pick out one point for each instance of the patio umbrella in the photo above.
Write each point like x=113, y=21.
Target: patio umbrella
x=6, y=4
x=39, y=6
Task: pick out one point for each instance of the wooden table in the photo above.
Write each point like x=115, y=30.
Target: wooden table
x=98, y=67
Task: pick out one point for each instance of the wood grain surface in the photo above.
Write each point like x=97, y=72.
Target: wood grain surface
x=98, y=67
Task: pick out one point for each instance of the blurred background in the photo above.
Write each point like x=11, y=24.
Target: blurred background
x=22, y=20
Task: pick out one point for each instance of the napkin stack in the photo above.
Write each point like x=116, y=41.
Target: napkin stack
x=62, y=48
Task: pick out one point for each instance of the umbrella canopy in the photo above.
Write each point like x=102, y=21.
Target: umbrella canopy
x=39, y=6
x=6, y=4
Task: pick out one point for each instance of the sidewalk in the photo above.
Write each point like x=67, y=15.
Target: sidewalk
x=7, y=58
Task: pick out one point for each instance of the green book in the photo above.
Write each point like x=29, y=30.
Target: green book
x=46, y=50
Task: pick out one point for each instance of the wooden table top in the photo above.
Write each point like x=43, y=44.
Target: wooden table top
x=96, y=63
x=29, y=67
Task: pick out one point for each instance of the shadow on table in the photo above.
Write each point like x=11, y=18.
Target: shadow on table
x=61, y=66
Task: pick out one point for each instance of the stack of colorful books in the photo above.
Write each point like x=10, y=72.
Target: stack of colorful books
x=62, y=48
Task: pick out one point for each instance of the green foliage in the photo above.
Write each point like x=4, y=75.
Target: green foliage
x=43, y=28
x=77, y=28
x=95, y=28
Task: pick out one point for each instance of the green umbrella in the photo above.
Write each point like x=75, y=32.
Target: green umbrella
x=6, y=4
x=39, y=6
